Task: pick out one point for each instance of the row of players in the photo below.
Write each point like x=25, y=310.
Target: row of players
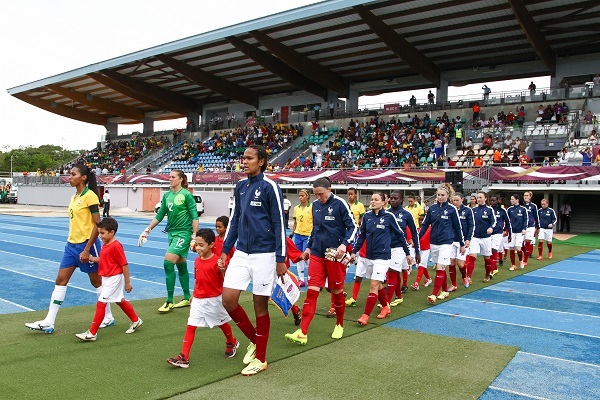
x=258, y=228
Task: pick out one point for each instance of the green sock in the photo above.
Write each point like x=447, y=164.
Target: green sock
x=184, y=279
x=170, y=279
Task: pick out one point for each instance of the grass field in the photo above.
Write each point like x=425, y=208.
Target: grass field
x=585, y=240
x=369, y=361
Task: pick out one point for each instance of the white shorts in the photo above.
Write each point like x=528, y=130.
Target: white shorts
x=398, y=260
x=456, y=252
x=377, y=269
x=545, y=234
x=505, y=243
x=516, y=240
x=481, y=246
x=112, y=289
x=441, y=253
x=208, y=312
x=361, y=268
x=424, y=258
x=258, y=268
x=497, y=241
x=405, y=265
x=530, y=233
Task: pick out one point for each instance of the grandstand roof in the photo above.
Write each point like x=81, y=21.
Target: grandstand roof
x=336, y=45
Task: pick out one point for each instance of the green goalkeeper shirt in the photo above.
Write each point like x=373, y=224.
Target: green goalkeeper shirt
x=180, y=209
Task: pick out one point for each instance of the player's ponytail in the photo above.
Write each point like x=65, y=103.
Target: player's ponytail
x=183, y=176
x=90, y=180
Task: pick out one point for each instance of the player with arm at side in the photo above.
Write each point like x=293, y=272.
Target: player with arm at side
x=547, y=220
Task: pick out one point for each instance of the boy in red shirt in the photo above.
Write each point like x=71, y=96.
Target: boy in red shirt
x=206, y=307
x=113, y=268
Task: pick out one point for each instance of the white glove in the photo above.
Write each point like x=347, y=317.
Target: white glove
x=144, y=237
x=193, y=243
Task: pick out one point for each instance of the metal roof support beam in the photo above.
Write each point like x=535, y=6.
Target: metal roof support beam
x=129, y=92
x=109, y=107
x=533, y=33
x=62, y=110
x=403, y=49
x=182, y=103
x=304, y=65
x=278, y=67
x=211, y=81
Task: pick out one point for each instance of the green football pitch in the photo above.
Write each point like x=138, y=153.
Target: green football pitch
x=372, y=361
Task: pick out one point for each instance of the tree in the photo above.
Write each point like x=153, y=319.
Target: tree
x=46, y=157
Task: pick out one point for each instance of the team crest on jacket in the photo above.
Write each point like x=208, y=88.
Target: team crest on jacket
x=381, y=220
x=257, y=193
x=256, y=196
x=330, y=217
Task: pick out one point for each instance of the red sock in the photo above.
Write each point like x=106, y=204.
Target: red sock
x=128, y=310
x=392, y=282
x=370, y=304
x=188, y=341
x=440, y=276
x=382, y=297
x=493, y=261
x=505, y=253
x=549, y=246
x=294, y=309
x=512, y=257
x=452, y=272
x=404, y=277
x=242, y=321
x=426, y=273
x=308, y=309
x=520, y=255
x=355, y=290
x=332, y=300
x=263, y=325
x=463, y=272
x=228, y=332
x=526, y=251
x=470, y=264
x=340, y=308
x=445, y=282
x=486, y=263
x=540, y=248
x=419, y=275
x=98, y=317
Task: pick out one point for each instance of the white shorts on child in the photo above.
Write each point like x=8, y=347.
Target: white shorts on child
x=208, y=312
x=113, y=288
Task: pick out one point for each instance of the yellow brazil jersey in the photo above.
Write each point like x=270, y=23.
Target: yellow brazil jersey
x=304, y=219
x=80, y=216
x=358, y=210
x=415, y=211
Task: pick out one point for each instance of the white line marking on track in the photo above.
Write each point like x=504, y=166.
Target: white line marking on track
x=17, y=305
x=510, y=323
x=570, y=272
x=529, y=308
x=560, y=359
x=551, y=286
x=551, y=277
x=537, y=295
x=529, y=396
x=47, y=280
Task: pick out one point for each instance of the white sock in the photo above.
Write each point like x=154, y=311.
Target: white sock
x=56, y=300
x=301, y=266
x=108, y=314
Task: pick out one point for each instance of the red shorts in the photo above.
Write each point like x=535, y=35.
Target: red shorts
x=320, y=269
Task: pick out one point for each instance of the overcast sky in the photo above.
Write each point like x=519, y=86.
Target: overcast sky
x=44, y=38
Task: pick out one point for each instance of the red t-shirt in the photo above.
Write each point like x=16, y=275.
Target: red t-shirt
x=218, y=247
x=292, y=252
x=112, y=259
x=424, y=243
x=209, y=280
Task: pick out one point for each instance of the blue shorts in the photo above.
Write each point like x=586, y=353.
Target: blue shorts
x=71, y=257
x=300, y=241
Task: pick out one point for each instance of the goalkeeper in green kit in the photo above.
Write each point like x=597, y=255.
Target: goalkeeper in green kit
x=180, y=208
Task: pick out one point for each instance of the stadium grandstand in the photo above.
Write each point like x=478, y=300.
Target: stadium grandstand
x=291, y=82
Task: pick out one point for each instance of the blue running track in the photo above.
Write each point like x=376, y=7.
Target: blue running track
x=551, y=314
x=31, y=249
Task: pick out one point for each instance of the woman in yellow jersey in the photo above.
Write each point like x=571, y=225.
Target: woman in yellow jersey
x=180, y=207
x=83, y=240
x=303, y=225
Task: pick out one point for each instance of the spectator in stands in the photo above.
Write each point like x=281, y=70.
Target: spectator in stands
x=505, y=159
x=588, y=117
x=412, y=103
x=532, y=88
x=317, y=109
x=523, y=160
x=486, y=93
x=497, y=157
x=593, y=138
x=478, y=162
x=597, y=159
x=487, y=142
x=597, y=79
x=547, y=114
x=431, y=97
x=476, y=111
x=458, y=136
x=563, y=120
x=331, y=107
x=521, y=113
x=587, y=156
x=468, y=143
